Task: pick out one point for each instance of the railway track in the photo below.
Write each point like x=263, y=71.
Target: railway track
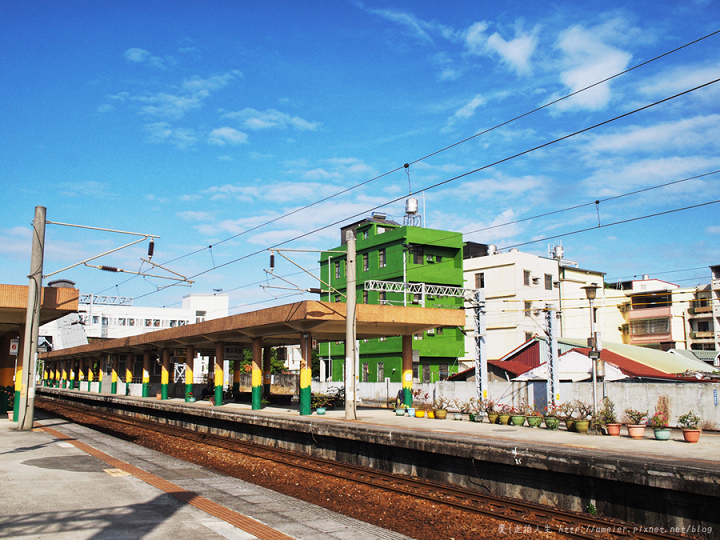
x=513, y=516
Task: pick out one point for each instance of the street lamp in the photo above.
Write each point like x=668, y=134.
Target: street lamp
x=591, y=293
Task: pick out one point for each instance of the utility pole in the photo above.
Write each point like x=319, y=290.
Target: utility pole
x=26, y=409
x=350, y=329
x=553, y=379
x=481, y=374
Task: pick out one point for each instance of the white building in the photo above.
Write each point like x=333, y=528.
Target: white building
x=518, y=288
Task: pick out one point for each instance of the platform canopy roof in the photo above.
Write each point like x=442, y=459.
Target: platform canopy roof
x=281, y=325
x=56, y=302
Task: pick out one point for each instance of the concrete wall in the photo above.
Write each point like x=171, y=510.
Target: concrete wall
x=701, y=398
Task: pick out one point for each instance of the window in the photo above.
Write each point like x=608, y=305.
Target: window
x=444, y=372
x=380, y=371
x=417, y=336
x=439, y=331
x=703, y=326
x=383, y=297
x=416, y=371
x=417, y=299
x=148, y=322
x=381, y=258
x=156, y=323
x=96, y=319
x=337, y=297
x=417, y=254
x=337, y=269
x=121, y=322
x=365, y=375
x=430, y=258
x=131, y=322
x=173, y=324
x=426, y=373
x=380, y=229
x=365, y=297
x=438, y=258
x=548, y=282
x=650, y=326
x=526, y=277
x=528, y=308
x=199, y=316
x=104, y=321
x=366, y=262
x=480, y=280
x=366, y=234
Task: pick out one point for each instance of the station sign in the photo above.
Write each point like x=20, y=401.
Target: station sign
x=14, y=346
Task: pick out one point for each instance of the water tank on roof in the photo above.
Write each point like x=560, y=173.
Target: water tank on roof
x=62, y=284
x=558, y=251
x=491, y=249
x=411, y=206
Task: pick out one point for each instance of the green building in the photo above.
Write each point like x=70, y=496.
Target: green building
x=390, y=252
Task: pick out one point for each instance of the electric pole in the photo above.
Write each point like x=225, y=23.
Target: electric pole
x=350, y=329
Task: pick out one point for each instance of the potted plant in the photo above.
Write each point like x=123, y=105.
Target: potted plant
x=475, y=410
x=566, y=411
x=552, y=420
x=505, y=414
x=441, y=404
x=319, y=402
x=517, y=415
x=535, y=418
x=420, y=400
x=583, y=414
x=607, y=419
x=690, y=425
x=463, y=407
x=636, y=427
x=659, y=423
x=488, y=405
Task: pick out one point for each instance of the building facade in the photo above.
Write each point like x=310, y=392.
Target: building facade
x=390, y=252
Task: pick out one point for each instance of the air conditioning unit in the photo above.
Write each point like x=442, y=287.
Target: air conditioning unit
x=535, y=280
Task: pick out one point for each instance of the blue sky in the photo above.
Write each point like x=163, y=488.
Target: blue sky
x=217, y=123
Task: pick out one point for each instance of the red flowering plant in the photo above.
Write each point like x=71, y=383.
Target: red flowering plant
x=552, y=410
x=658, y=420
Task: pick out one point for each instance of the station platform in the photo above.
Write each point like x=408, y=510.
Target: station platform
x=669, y=484
x=65, y=481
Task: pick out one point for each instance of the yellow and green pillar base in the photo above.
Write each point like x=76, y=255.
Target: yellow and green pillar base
x=306, y=376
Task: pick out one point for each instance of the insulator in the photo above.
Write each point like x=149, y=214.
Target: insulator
x=151, y=248
x=109, y=269
x=272, y=261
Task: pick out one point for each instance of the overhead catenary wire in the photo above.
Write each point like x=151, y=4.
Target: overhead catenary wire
x=448, y=147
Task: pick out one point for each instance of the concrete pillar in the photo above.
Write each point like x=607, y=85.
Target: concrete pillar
x=189, y=372
x=305, y=374
x=81, y=372
x=146, y=374
x=64, y=375
x=219, y=373
x=165, y=374
x=236, y=374
x=407, y=372
x=267, y=362
x=102, y=366
x=71, y=375
x=57, y=375
x=129, y=364
x=90, y=374
x=115, y=359
x=257, y=373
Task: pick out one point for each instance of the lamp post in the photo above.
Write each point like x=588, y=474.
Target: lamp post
x=590, y=293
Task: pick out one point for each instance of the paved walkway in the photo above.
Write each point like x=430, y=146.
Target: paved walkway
x=73, y=483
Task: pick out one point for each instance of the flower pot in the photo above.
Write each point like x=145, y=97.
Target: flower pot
x=493, y=417
x=691, y=435
x=534, y=421
x=411, y=411
x=475, y=417
x=457, y=416
x=320, y=410
x=399, y=412
x=552, y=422
x=431, y=414
x=517, y=419
x=440, y=414
x=570, y=424
x=636, y=431
x=504, y=419
x=419, y=413
x=662, y=434
x=582, y=426
x=613, y=429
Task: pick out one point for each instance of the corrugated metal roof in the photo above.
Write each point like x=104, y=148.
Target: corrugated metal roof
x=652, y=358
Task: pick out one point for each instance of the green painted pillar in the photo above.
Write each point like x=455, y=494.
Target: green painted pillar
x=101, y=372
x=81, y=373
x=257, y=373
x=219, y=374
x=267, y=363
x=146, y=374
x=18, y=389
x=45, y=376
x=115, y=359
x=305, y=375
x=64, y=375
x=165, y=374
x=90, y=374
x=189, y=372
x=407, y=373
x=129, y=361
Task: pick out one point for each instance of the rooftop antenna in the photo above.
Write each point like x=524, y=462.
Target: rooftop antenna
x=412, y=215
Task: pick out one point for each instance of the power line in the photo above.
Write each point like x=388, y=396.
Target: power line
x=502, y=124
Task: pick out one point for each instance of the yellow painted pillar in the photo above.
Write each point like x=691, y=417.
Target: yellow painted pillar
x=115, y=359
x=102, y=362
x=71, y=376
x=81, y=372
x=165, y=374
x=257, y=373
x=305, y=374
x=90, y=373
x=407, y=372
x=219, y=374
x=64, y=379
x=57, y=374
x=129, y=364
x=146, y=374
x=189, y=372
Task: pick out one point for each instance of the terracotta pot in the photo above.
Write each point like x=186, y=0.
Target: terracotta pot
x=613, y=429
x=636, y=431
x=691, y=435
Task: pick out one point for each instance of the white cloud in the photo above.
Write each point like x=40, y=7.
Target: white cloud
x=141, y=56
x=136, y=55
x=586, y=59
x=681, y=78
x=191, y=215
x=713, y=230
x=227, y=135
x=515, y=52
x=270, y=118
x=162, y=132
x=89, y=188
